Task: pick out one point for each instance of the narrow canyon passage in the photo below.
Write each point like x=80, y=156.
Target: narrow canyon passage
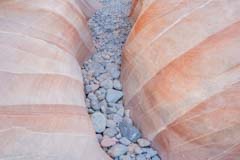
x=115, y=130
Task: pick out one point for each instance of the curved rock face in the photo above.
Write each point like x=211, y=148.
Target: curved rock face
x=42, y=109
x=181, y=77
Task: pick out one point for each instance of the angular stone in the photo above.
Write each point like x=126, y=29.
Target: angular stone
x=113, y=95
x=99, y=122
x=117, y=84
x=156, y=158
x=91, y=88
x=107, y=84
x=100, y=94
x=140, y=157
x=111, y=123
x=129, y=131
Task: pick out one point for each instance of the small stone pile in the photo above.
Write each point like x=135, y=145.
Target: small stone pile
x=115, y=130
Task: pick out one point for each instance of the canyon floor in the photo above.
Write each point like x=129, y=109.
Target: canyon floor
x=113, y=125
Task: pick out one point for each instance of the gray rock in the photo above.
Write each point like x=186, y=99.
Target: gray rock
x=134, y=149
x=113, y=95
x=110, y=132
x=149, y=152
x=100, y=94
x=140, y=157
x=111, y=110
x=128, y=120
x=104, y=76
x=117, y=150
x=97, y=68
x=99, y=122
x=117, y=118
x=103, y=106
x=107, y=84
x=143, y=142
x=156, y=158
x=120, y=112
x=95, y=106
x=129, y=131
x=125, y=141
x=125, y=157
x=111, y=123
x=116, y=74
x=117, y=84
x=92, y=97
x=91, y=88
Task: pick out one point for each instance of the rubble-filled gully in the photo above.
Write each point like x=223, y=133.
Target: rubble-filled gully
x=114, y=128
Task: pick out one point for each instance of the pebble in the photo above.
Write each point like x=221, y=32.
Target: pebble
x=91, y=88
x=129, y=131
x=117, y=85
x=101, y=93
x=125, y=157
x=99, y=122
x=125, y=141
x=156, y=158
x=140, y=157
x=111, y=123
x=108, y=142
x=113, y=95
x=107, y=84
x=111, y=132
x=117, y=150
x=134, y=149
x=143, y=142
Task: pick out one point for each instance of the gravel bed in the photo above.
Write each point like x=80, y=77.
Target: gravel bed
x=115, y=130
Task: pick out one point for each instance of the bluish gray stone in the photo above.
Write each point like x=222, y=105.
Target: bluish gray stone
x=125, y=141
x=141, y=157
x=113, y=95
x=110, y=132
x=156, y=158
x=129, y=131
x=107, y=84
x=99, y=122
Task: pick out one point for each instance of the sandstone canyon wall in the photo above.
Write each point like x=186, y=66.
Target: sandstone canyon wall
x=181, y=77
x=42, y=108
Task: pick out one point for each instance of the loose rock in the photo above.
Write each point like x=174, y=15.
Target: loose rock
x=108, y=142
x=115, y=130
x=117, y=150
x=113, y=95
x=143, y=142
x=99, y=122
x=129, y=131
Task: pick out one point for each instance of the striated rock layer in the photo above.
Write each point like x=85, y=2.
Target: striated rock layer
x=181, y=77
x=42, y=109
